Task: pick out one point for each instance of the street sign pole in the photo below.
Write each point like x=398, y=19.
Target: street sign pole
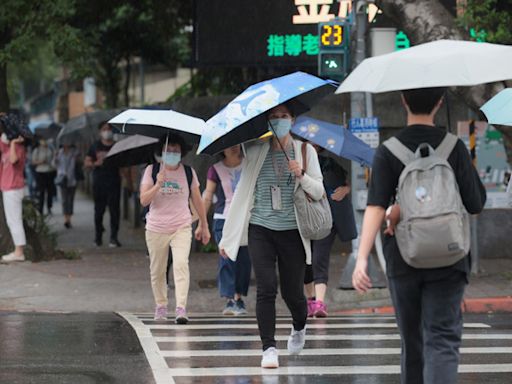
x=358, y=104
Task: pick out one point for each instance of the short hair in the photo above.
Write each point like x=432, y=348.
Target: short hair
x=174, y=138
x=102, y=123
x=423, y=100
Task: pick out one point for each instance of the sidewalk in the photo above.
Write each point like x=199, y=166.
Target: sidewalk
x=105, y=279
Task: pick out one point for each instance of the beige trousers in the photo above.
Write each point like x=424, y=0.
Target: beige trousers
x=158, y=246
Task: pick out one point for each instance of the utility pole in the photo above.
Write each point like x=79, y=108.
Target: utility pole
x=360, y=106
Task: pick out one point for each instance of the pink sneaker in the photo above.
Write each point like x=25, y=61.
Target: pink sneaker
x=311, y=307
x=160, y=313
x=320, y=309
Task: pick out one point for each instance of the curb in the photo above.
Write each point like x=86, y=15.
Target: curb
x=471, y=305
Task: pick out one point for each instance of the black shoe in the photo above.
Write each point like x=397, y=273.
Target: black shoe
x=114, y=243
x=67, y=225
x=98, y=242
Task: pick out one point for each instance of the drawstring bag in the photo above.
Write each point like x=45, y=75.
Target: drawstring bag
x=314, y=217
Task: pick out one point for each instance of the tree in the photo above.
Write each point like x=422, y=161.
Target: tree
x=125, y=30
x=429, y=20
x=23, y=25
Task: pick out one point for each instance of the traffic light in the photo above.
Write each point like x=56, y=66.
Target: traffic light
x=333, y=52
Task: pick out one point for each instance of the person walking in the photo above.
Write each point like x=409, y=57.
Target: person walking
x=317, y=274
x=169, y=223
x=263, y=215
x=66, y=163
x=42, y=159
x=12, y=185
x=106, y=186
x=233, y=277
x=427, y=301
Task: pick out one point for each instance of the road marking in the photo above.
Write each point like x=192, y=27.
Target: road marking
x=205, y=339
x=326, y=370
x=194, y=319
x=183, y=354
x=153, y=354
x=287, y=326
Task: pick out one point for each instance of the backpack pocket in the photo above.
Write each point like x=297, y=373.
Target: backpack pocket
x=432, y=242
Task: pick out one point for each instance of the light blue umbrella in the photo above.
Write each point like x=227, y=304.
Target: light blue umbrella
x=244, y=118
x=498, y=110
x=334, y=138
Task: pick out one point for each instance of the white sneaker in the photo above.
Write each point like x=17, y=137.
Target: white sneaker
x=12, y=257
x=296, y=341
x=270, y=358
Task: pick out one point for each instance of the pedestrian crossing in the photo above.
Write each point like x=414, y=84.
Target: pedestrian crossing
x=360, y=349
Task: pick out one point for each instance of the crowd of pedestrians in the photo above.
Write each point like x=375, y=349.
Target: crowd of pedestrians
x=256, y=225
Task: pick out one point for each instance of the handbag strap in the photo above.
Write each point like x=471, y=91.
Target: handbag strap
x=304, y=156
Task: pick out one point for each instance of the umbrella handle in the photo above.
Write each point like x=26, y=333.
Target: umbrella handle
x=126, y=122
x=279, y=141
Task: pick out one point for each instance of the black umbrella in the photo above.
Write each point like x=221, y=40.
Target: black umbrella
x=132, y=150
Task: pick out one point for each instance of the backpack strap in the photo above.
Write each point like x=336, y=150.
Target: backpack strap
x=188, y=173
x=400, y=151
x=154, y=171
x=444, y=149
x=304, y=156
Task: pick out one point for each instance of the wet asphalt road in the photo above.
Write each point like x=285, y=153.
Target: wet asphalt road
x=103, y=348
x=70, y=349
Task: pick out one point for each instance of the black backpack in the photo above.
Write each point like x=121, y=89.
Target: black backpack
x=154, y=172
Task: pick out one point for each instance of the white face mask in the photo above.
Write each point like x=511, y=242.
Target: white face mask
x=107, y=135
x=4, y=138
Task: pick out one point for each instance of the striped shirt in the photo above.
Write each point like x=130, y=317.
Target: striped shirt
x=262, y=213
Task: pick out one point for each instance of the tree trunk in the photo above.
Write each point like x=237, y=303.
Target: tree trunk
x=429, y=20
x=128, y=73
x=4, y=95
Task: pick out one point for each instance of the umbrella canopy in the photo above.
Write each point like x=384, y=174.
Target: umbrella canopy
x=86, y=124
x=133, y=150
x=498, y=110
x=244, y=118
x=335, y=139
x=442, y=63
x=158, y=123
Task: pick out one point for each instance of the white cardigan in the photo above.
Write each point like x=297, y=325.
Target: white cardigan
x=236, y=226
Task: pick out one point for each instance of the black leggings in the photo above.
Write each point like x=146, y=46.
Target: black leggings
x=266, y=247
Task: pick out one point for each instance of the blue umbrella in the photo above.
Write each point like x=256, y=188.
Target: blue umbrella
x=244, y=118
x=498, y=110
x=334, y=138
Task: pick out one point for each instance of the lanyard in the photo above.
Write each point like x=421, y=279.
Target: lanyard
x=280, y=168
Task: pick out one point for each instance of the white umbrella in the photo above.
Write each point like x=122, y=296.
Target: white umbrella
x=442, y=63
x=157, y=123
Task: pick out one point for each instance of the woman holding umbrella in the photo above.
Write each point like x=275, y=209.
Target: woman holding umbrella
x=169, y=223
x=263, y=213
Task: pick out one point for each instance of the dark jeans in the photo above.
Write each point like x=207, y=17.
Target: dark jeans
x=68, y=199
x=428, y=312
x=233, y=276
x=318, y=271
x=266, y=247
x=45, y=188
x=106, y=194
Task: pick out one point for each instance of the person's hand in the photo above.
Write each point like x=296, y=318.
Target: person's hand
x=223, y=253
x=295, y=168
x=98, y=162
x=18, y=140
x=392, y=219
x=360, y=280
x=202, y=234
x=340, y=193
x=160, y=178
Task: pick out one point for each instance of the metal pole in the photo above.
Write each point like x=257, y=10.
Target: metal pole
x=360, y=106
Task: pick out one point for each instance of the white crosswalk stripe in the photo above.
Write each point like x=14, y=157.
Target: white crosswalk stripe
x=216, y=347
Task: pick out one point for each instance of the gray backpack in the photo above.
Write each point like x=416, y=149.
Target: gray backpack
x=433, y=230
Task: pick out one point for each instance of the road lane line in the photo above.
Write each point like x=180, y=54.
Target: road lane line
x=286, y=326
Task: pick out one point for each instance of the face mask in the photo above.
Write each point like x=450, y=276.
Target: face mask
x=281, y=127
x=107, y=135
x=4, y=138
x=171, y=158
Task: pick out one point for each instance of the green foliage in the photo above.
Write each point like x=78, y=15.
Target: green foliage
x=490, y=17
